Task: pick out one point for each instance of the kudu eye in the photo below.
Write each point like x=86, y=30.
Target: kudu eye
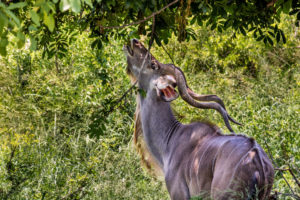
x=154, y=66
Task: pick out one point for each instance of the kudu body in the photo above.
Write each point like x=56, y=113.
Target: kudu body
x=196, y=159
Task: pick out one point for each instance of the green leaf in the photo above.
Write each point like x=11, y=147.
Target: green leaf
x=2, y=5
x=89, y=2
x=199, y=21
x=265, y=40
x=3, y=51
x=75, y=5
x=51, y=6
x=252, y=28
x=33, y=44
x=3, y=22
x=13, y=16
x=270, y=40
x=21, y=39
x=220, y=29
x=283, y=37
x=270, y=33
x=49, y=21
x=294, y=11
x=286, y=7
x=213, y=26
x=260, y=38
x=32, y=27
x=64, y=5
x=3, y=44
x=16, y=5
x=242, y=30
x=278, y=37
x=227, y=23
x=193, y=20
x=255, y=35
x=35, y=17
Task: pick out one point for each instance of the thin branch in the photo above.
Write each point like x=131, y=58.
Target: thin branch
x=168, y=54
x=280, y=169
x=116, y=103
x=288, y=194
x=293, y=175
x=270, y=155
x=296, y=168
x=142, y=20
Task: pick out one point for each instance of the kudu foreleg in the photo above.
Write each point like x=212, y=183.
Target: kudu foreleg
x=177, y=187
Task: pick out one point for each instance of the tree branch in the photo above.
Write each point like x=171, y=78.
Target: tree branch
x=142, y=20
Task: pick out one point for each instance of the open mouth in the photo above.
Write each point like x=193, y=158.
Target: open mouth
x=168, y=93
x=129, y=48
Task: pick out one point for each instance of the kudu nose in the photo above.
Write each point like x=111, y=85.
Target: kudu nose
x=135, y=41
x=174, y=85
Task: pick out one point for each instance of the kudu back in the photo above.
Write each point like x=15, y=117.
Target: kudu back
x=196, y=159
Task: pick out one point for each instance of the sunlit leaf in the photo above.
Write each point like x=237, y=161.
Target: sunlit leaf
x=64, y=5
x=49, y=21
x=3, y=44
x=89, y=2
x=75, y=5
x=3, y=22
x=35, y=17
x=21, y=39
x=16, y=5
x=33, y=43
x=13, y=16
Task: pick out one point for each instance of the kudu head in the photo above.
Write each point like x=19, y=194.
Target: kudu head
x=152, y=75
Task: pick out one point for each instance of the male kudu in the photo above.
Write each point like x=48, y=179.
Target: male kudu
x=196, y=159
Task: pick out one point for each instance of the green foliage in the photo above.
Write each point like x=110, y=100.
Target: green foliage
x=58, y=139
x=45, y=21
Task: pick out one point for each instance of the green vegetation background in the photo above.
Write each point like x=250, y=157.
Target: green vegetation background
x=58, y=141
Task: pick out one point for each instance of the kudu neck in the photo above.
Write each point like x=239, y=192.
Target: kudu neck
x=158, y=123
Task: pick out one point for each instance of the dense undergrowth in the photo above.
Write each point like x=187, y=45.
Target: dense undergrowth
x=62, y=138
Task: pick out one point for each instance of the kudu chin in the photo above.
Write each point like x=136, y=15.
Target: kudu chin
x=195, y=159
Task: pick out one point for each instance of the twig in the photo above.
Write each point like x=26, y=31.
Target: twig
x=288, y=194
x=293, y=175
x=270, y=155
x=296, y=168
x=168, y=53
x=116, y=103
x=291, y=172
x=279, y=169
x=142, y=20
